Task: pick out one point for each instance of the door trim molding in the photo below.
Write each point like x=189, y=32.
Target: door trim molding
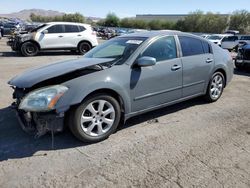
x=156, y=93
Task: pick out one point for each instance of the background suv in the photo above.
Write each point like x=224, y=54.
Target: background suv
x=233, y=42
x=55, y=36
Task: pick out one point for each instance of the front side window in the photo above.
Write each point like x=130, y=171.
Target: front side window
x=56, y=29
x=162, y=49
x=191, y=46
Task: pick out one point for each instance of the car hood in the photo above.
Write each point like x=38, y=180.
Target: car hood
x=35, y=76
x=26, y=35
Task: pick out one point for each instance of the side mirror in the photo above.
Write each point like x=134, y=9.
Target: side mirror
x=146, y=61
x=45, y=32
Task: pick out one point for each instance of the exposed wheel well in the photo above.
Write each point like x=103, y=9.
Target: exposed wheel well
x=224, y=74
x=32, y=41
x=84, y=41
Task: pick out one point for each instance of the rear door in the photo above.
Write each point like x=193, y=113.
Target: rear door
x=197, y=60
x=72, y=35
x=161, y=83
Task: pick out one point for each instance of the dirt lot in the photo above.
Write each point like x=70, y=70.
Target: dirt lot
x=192, y=144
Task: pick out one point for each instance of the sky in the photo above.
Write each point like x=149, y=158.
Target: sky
x=125, y=8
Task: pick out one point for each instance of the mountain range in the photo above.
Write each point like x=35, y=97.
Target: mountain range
x=25, y=14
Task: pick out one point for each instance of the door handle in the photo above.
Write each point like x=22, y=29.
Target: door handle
x=60, y=36
x=175, y=67
x=209, y=60
x=79, y=35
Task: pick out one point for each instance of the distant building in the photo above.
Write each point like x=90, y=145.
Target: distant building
x=168, y=17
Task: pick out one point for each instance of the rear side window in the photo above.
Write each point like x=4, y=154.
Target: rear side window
x=81, y=28
x=56, y=29
x=191, y=46
x=162, y=49
x=71, y=29
x=206, y=48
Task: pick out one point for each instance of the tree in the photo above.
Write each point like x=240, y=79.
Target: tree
x=112, y=20
x=77, y=17
x=240, y=20
x=203, y=23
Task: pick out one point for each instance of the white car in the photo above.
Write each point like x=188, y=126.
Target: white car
x=217, y=38
x=230, y=42
x=56, y=36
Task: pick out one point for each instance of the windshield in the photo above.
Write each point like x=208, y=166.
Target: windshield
x=120, y=48
x=215, y=37
x=37, y=28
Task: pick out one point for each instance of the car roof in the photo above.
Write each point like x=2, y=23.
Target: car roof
x=67, y=23
x=152, y=34
x=222, y=35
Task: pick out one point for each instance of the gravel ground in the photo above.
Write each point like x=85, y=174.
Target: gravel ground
x=192, y=144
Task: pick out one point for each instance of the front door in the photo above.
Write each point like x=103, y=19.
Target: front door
x=54, y=38
x=158, y=84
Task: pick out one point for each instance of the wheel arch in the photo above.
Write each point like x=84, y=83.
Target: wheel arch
x=221, y=70
x=111, y=92
x=86, y=42
x=32, y=41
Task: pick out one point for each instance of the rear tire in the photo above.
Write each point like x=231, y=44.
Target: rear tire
x=96, y=118
x=215, y=87
x=83, y=48
x=29, y=49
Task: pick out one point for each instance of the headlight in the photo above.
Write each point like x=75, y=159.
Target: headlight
x=43, y=99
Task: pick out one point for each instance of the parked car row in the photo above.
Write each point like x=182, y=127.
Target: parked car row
x=9, y=28
x=108, y=33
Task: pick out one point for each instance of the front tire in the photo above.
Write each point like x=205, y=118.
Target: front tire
x=29, y=49
x=215, y=87
x=96, y=118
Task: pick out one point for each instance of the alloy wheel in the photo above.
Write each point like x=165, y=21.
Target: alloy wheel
x=216, y=87
x=97, y=118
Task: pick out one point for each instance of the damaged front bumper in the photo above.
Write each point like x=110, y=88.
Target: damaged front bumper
x=38, y=124
x=14, y=42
